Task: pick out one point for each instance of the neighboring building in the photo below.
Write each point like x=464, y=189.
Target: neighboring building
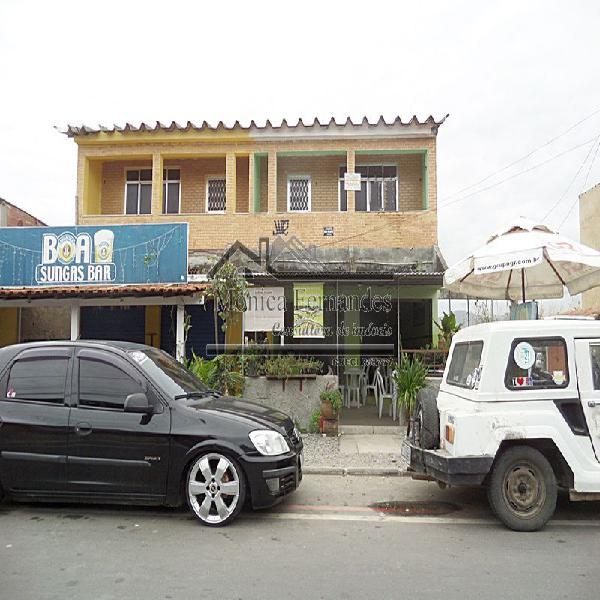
x=281, y=193
x=13, y=326
x=589, y=227
x=13, y=216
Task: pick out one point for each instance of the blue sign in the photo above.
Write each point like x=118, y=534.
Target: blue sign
x=106, y=255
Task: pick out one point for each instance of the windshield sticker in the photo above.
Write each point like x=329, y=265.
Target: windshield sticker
x=524, y=355
x=11, y=393
x=522, y=382
x=558, y=377
x=138, y=356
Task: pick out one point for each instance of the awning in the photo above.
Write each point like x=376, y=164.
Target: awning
x=102, y=291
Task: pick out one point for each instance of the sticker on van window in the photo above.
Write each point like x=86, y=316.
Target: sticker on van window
x=558, y=377
x=11, y=393
x=473, y=378
x=524, y=355
x=522, y=382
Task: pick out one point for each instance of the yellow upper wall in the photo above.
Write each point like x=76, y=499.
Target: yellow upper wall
x=103, y=158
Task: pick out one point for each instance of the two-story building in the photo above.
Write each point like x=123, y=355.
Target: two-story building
x=351, y=207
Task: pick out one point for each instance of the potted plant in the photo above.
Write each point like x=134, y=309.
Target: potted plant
x=331, y=403
x=448, y=327
x=222, y=373
x=410, y=376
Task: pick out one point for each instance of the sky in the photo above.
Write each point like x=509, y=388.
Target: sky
x=514, y=77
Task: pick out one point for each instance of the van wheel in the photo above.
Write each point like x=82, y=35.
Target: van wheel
x=522, y=489
x=427, y=420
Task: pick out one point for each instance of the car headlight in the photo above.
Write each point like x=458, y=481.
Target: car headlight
x=269, y=443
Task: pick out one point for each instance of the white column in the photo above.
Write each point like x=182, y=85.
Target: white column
x=75, y=320
x=180, y=334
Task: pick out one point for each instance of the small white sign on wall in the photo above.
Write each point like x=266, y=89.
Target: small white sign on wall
x=265, y=308
x=352, y=182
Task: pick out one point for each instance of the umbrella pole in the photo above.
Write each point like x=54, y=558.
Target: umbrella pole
x=523, y=284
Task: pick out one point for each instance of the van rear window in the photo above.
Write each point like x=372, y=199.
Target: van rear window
x=464, y=370
x=539, y=363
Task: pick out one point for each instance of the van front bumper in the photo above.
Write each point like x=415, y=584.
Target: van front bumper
x=441, y=466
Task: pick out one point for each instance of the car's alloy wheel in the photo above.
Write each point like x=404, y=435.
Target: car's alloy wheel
x=215, y=489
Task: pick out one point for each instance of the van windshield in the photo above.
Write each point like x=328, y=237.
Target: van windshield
x=464, y=368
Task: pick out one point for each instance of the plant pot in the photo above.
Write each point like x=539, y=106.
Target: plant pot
x=327, y=410
x=330, y=427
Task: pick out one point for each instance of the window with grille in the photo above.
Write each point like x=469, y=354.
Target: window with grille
x=378, y=189
x=299, y=193
x=215, y=195
x=171, y=191
x=138, y=192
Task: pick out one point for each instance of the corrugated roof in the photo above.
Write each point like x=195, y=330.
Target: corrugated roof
x=102, y=291
x=294, y=125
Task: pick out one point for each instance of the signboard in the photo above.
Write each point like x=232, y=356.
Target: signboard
x=328, y=231
x=105, y=255
x=265, y=307
x=352, y=182
x=308, y=310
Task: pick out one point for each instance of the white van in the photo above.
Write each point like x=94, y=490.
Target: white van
x=518, y=411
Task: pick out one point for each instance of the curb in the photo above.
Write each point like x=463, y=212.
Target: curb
x=356, y=471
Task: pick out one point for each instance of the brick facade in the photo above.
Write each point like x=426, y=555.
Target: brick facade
x=101, y=190
x=13, y=216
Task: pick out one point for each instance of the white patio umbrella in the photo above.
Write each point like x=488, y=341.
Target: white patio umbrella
x=527, y=260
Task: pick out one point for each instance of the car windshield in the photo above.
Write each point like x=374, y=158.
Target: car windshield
x=169, y=374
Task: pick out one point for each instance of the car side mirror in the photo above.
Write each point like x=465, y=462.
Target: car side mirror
x=138, y=403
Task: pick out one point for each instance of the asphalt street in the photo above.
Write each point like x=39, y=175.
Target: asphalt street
x=336, y=537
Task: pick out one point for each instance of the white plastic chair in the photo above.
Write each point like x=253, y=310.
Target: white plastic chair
x=352, y=389
x=371, y=385
x=384, y=395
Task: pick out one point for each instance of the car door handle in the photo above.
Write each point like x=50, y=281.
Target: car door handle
x=593, y=403
x=83, y=428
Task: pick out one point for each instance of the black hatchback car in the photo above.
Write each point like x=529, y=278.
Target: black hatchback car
x=117, y=422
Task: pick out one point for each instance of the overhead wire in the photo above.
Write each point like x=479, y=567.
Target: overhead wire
x=529, y=169
x=563, y=195
x=526, y=156
x=572, y=206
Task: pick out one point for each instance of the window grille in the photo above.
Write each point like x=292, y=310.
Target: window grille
x=216, y=195
x=299, y=194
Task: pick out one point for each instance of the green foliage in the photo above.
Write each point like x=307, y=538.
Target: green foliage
x=448, y=327
x=254, y=359
x=230, y=290
x=222, y=373
x=202, y=368
x=286, y=366
x=228, y=377
x=410, y=377
x=334, y=397
x=314, y=425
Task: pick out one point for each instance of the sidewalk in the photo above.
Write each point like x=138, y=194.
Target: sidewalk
x=352, y=454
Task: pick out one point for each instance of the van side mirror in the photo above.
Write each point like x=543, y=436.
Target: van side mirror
x=138, y=403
